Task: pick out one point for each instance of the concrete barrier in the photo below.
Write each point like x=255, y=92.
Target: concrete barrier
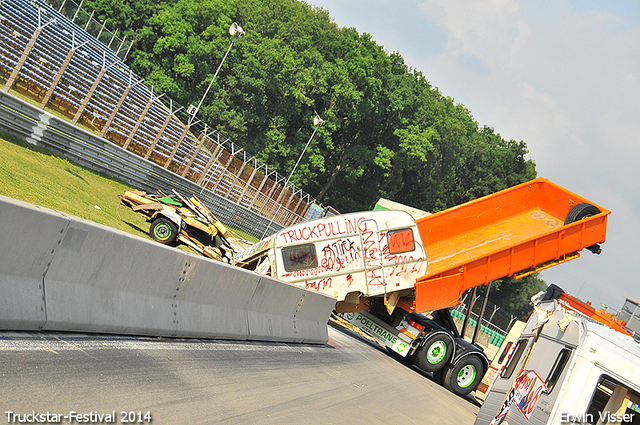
x=24, y=262
x=59, y=272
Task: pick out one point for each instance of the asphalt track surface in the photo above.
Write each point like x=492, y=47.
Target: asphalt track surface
x=350, y=380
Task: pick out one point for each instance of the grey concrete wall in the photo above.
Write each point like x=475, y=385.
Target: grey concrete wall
x=59, y=272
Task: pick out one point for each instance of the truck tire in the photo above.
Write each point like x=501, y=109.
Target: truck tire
x=464, y=376
x=434, y=354
x=580, y=211
x=164, y=231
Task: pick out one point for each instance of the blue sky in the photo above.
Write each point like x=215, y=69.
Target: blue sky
x=564, y=76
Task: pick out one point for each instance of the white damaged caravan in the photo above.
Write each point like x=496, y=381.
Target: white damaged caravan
x=349, y=257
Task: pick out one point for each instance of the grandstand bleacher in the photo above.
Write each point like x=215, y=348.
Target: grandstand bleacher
x=98, y=92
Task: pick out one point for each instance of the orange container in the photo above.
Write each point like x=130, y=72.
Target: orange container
x=513, y=232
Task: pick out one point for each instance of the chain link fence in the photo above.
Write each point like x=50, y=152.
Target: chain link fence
x=495, y=324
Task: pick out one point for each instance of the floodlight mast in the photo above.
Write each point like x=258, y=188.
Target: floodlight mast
x=236, y=32
x=318, y=122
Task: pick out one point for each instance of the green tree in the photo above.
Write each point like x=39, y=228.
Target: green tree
x=389, y=133
x=514, y=295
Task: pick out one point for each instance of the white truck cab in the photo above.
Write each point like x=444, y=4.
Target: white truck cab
x=566, y=369
x=349, y=257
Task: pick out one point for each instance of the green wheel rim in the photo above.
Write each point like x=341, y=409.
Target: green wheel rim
x=162, y=231
x=466, y=376
x=436, y=352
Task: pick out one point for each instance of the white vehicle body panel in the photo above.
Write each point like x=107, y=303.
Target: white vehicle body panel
x=369, y=253
x=596, y=357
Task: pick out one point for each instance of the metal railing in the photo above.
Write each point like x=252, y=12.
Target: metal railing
x=474, y=316
x=28, y=122
x=84, y=19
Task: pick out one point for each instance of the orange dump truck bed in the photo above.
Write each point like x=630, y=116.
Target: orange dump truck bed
x=513, y=232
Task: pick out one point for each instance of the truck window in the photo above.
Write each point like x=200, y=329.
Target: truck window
x=504, y=352
x=556, y=370
x=299, y=257
x=613, y=397
x=400, y=241
x=515, y=358
x=629, y=307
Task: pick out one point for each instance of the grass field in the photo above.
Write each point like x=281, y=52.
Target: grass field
x=34, y=175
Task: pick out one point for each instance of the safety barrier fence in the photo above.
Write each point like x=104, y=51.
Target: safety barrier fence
x=62, y=138
x=56, y=63
x=494, y=335
x=62, y=273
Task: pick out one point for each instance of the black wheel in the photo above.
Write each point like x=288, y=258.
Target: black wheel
x=463, y=377
x=580, y=211
x=434, y=354
x=164, y=231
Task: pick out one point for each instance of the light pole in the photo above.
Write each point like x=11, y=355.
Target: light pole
x=236, y=32
x=317, y=121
